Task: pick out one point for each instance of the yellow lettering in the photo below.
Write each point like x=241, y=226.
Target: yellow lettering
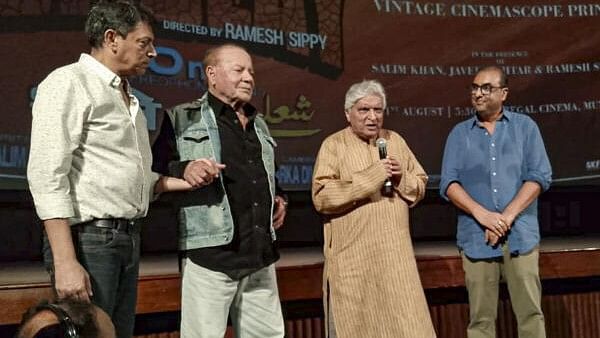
x=301, y=112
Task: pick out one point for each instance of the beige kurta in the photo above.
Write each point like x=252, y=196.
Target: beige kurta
x=374, y=285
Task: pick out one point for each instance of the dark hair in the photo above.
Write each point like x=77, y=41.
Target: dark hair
x=72, y=315
x=499, y=70
x=120, y=15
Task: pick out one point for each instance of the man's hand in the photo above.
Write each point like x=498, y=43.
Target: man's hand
x=280, y=211
x=392, y=167
x=70, y=278
x=491, y=238
x=202, y=172
x=492, y=221
x=72, y=281
x=528, y=192
x=509, y=218
x=505, y=223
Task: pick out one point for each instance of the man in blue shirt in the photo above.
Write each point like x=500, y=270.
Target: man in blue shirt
x=494, y=168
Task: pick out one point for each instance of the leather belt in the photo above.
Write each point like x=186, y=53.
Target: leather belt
x=117, y=224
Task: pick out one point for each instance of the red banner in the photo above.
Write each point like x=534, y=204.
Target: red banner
x=306, y=55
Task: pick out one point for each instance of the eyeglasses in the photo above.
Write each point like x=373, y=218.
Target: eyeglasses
x=486, y=88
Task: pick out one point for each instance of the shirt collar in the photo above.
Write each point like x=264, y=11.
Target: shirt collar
x=506, y=116
x=219, y=107
x=103, y=72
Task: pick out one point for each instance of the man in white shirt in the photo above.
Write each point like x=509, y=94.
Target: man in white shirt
x=90, y=162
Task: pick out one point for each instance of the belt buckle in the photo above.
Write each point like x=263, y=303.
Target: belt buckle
x=115, y=224
x=102, y=223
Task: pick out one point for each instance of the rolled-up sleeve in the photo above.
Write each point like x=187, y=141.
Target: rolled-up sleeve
x=56, y=129
x=537, y=164
x=413, y=180
x=450, y=162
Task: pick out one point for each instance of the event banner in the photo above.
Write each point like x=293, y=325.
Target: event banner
x=307, y=53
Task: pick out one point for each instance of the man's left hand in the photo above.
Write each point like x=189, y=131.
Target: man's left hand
x=394, y=170
x=491, y=238
x=280, y=211
x=392, y=166
x=509, y=219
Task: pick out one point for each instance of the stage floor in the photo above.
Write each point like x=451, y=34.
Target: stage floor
x=24, y=273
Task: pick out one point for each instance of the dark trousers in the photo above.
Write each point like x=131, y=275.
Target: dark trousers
x=111, y=258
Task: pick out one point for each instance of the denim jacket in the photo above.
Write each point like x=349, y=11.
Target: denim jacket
x=205, y=220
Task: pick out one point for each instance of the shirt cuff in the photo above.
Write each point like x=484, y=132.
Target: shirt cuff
x=444, y=184
x=539, y=179
x=51, y=206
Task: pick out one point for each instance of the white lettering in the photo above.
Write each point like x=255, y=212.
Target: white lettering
x=254, y=34
x=304, y=40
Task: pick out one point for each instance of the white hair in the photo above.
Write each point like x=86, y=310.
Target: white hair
x=362, y=89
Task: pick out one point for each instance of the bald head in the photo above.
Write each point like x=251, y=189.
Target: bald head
x=503, y=82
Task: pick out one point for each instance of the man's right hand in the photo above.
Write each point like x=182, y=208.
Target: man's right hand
x=202, y=172
x=492, y=221
x=72, y=281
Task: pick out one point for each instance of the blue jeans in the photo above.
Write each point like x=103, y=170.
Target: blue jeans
x=111, y=258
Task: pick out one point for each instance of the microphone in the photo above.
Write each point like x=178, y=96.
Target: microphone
x=387, y=188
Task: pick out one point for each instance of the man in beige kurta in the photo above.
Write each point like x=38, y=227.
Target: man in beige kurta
x=371, y=280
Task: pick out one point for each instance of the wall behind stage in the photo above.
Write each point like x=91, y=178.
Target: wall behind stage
x=307, y=53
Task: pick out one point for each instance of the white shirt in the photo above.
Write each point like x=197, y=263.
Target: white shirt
x=90, y=154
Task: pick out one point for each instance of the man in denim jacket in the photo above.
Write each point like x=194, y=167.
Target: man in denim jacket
x=221, y=146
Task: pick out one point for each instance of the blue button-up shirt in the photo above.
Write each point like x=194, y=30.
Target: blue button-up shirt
x=492, y=169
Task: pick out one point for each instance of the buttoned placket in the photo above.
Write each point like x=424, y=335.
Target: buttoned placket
x=132, y=106
x=493, y=149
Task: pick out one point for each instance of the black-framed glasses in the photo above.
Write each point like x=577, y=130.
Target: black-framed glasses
x=486, y=88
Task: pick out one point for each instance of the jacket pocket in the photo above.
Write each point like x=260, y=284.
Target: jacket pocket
x=195, y=144
x=203, y=222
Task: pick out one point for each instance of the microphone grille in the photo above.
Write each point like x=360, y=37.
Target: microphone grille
x=381, y=142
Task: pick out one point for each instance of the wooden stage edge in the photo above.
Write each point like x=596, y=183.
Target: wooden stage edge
x=299, y=275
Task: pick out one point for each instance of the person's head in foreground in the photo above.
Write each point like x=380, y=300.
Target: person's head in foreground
x=65, y=319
